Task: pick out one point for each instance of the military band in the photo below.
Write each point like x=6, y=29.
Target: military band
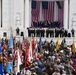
x=31, y=31
x=48, y=32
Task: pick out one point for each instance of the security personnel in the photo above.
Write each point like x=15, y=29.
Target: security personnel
x=42, y=31
x=47, y=33
x=38, y=32
x=31, y=31
x=72, y=31
x=17, y=31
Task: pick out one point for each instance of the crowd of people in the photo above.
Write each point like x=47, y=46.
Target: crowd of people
x=46, y=58
x=44, y=24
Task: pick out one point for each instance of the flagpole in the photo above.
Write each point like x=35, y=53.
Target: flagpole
x=2, y=63
x=11, y=45
x=68, y=12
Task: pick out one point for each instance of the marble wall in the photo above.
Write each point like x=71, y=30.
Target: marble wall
x=17, y=13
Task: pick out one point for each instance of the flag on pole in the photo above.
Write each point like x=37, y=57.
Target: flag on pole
x=1, y=61
x=11, y=41
x=40, y=42
x=33, y=43
x=58, y=43
x=0, y=49
x=36, y=51
x=9, y=67
x=1, y=69
x=73, y=47
x=30, y=52
x=19, y=62
x=27, y=54
x=23, y=45
x=14, y=43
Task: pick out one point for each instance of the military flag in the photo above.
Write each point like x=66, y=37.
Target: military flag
x=58, y=43
x=30, y=51
x=73, y=47
x=1, y=61
x=40, y=42
x=27, y=54
x=11, y=41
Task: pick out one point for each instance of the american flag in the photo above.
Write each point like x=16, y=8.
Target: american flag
x=48, y=14
x=61, y=13
x=36, y=12
x=36, y=53
x=30, y=51
x=14, y=44
x=23, y=45
x=5, y=57
x=16, y=54
x=27, y=55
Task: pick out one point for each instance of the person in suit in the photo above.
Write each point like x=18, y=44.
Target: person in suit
x=72, y=31
x=63, y=31
x=17, y=31
x=47, y=33
x=30, y=32
x=66, y=33
x=38, y=32
x=42, y=32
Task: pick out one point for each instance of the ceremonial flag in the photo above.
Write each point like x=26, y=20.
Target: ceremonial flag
x=11, y=41
x=9, y=67
x=33, y=43
x=36, y=51
x=27, y=55
x=19, y=62
x=14, y=42
x=48, y=10
x=40, y=42
x=33, y=46
x=58, y=44
x=0, y=49
x=6, y=57
x=30, y=52
x=1, y=61
x=23, y=45
x=1, y=69
x=35, y=10
x=0, y=54
x=4, y=46
x=73, y=47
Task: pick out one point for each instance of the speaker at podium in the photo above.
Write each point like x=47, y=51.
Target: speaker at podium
x=22, y=33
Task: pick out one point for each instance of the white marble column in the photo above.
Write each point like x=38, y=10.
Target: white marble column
x=66, y=18
x=5, y=14
x=0, y=13
x=12, y=14
x=41, y=15
x=30, y=15
x=55, y=11
x=27, y=16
